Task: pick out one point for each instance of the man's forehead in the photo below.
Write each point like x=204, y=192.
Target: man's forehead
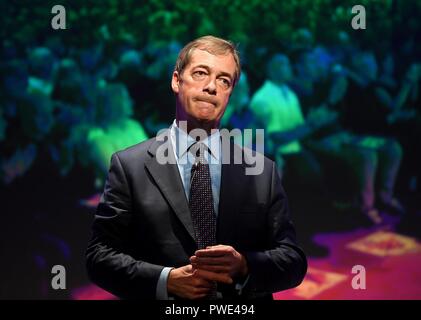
x=220, y=62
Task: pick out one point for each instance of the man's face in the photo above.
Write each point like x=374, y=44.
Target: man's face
x=204, y=87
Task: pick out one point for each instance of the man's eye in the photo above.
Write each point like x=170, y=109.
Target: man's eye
x=199, y=73
x=225, y=82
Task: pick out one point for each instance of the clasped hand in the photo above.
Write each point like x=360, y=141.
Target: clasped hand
x=220, y=263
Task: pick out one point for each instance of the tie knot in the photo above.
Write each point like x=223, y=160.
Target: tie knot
x=198, y=150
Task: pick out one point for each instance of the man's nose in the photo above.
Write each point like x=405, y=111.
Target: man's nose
x=210, y=87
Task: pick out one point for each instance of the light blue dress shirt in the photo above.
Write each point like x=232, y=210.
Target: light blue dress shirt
x=185, y=161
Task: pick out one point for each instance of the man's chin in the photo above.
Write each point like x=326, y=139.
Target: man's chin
x=204, y=120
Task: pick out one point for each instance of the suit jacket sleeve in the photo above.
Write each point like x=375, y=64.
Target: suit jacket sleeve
x=108, y=256
x=284, y=264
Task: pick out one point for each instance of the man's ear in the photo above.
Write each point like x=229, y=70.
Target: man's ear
x=175, y=82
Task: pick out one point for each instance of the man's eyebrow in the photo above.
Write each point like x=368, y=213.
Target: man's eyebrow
x=204, y=66
x=222, y=73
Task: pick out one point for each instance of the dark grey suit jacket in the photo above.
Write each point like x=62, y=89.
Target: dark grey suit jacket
x=143, y=224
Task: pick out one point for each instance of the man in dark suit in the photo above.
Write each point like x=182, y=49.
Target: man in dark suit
x=196, y=225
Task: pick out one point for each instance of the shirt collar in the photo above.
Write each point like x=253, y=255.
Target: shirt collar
x=212, y=142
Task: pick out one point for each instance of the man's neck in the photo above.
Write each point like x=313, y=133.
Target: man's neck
x=193, y=124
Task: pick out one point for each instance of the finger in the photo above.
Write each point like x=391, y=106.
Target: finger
x=213, y=276
x=188, y=268
x=214, y=252
x=224, y=260
x=219, y=269
x=193, y=266
x=216, y=246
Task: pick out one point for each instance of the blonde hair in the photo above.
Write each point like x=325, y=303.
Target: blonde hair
x=213, y=45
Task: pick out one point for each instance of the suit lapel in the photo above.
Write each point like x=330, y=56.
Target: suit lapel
x=168, y=179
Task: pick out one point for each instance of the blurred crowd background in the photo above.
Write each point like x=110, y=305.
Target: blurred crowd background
x=340, y=108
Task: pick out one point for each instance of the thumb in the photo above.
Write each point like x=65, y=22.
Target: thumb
x=188, y=268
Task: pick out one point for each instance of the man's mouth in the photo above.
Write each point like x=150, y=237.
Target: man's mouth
x=206, y=102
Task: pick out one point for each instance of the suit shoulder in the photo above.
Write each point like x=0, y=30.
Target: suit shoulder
x=137, y=151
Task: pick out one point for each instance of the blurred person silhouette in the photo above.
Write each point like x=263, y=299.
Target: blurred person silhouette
x=28, y=116
x=369, y=110
x=278, y=107
x=42, y=66
x=326, y=85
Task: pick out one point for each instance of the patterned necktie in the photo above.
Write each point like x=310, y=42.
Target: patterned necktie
x=201, y=199
x=201, y=204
